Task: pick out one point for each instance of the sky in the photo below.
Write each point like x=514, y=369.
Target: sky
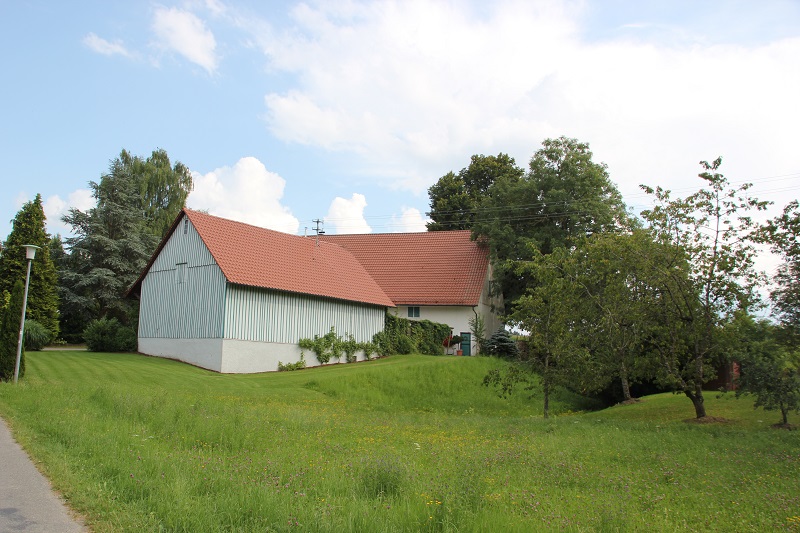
x=347, y=111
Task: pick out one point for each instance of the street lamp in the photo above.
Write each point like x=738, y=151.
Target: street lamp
x=30, y=254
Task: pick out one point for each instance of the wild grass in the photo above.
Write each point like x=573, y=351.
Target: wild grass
x=408, y=443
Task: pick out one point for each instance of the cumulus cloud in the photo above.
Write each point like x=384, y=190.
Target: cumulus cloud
x=186, y=34
x=412, y=89
x=55, y=207
x=410, y=220
x=347, y=216
x=246, y=192
x=104, y=47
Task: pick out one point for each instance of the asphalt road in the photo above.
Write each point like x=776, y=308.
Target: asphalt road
x=27, y=501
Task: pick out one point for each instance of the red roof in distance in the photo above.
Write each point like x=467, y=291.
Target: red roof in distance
x=427, y=268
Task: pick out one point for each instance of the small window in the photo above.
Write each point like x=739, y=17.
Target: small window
x=413, y=312
x=180, y=273
x=185, y=226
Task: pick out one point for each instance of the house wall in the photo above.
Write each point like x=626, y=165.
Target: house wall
x=458, y=317
x=263, y=315
x=190, y=313
x=186, y=301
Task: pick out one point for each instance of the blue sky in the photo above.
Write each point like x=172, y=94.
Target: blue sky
x=348, y=111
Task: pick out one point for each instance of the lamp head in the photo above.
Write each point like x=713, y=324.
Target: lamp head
x=30, y=251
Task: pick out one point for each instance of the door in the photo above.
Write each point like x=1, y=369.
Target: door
x=466, y=343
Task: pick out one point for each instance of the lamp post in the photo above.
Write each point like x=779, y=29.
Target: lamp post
x=30, y=254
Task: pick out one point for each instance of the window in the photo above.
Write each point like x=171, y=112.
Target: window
x=185, y=226
x=180, y=273
x=413, y=312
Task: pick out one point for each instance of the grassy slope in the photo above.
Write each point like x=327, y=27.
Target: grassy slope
x=401, y=444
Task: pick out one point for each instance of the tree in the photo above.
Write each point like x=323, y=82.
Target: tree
x=545, y=311
x=29, y=228
x=9, y=334
x=564, y=196
x=770, y=370
x=615, y=275
x=455, y=198
x=783, y=234
x=713, y=233
x=136, y=201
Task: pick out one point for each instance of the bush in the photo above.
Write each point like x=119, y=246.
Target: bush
x=36, y=335
x=403, y=336
x=405, y=344
x=299, y=365
x=108, y=335
x=502, y=345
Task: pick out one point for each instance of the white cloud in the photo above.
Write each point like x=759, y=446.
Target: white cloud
x=55, y=207
x=186, y=34
x=107, y=48
x=246, y=192
x=412, y=89
x=347, y=216
x=409, y=221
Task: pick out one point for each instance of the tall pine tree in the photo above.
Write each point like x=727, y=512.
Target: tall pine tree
x=9, y=335
x=29, y=228
x=137, y=200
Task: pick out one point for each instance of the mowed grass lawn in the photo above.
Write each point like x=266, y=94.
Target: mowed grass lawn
x=406, y=443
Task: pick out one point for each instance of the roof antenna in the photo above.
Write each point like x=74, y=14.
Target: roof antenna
x=318, y=229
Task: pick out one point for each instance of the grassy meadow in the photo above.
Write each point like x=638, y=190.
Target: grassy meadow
x=407, y=443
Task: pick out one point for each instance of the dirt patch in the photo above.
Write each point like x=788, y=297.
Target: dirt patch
x=708, y=420
x=789, y=427
x=630, y=402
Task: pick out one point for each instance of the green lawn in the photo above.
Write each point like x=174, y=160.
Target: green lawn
x=407, y=443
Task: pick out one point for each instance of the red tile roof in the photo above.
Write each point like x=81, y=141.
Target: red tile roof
x=258, y=257
x=431, y=268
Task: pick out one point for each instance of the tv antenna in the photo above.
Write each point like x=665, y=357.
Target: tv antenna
x=318, y=229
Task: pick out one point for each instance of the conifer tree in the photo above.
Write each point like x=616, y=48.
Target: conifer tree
x=9, y=335
x=29, y=228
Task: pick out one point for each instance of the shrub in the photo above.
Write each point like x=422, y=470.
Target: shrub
x=405, y=344
x=502, y=345
x=350, y=347
x=108, y=335
x=401, y=335
x=36, y=335
x=370, y=349
x=292, y=366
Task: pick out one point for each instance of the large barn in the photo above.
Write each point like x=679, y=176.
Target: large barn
x=236, y=298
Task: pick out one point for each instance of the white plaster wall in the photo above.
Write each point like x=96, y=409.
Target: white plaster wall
x=205, y=353
x=249, y=357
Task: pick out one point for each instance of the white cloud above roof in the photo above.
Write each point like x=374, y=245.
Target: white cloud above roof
x=246, y=192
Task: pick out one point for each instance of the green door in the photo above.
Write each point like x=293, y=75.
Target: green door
x=466, y=344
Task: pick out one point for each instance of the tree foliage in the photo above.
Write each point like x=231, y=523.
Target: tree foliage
x=783, y=234
x=29, y=228
x=136, y=201
x=9, y=334
x=456, y=198
x=712, y=230
x=770, y=369
x=563, y=197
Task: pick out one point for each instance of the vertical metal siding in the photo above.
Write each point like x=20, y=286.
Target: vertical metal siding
x=189, y=310
x=206, y=306
x=271, y=316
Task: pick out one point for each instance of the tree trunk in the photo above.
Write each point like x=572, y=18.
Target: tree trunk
x=697, y=401
x=546, y=388
x=626, y=388
x=785, y=413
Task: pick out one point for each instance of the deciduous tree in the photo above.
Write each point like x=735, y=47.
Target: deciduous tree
x=712, y=230
x=455, y=198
